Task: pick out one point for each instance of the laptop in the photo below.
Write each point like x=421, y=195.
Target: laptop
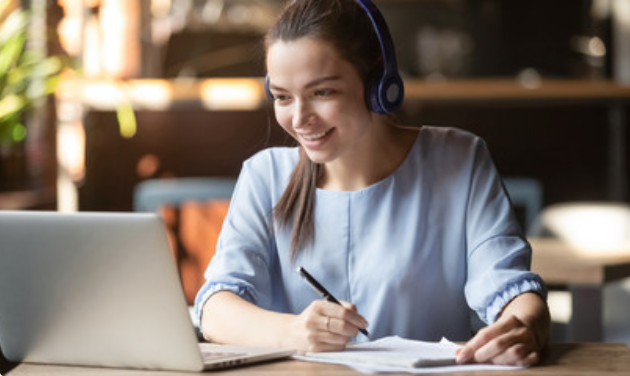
x=100, y=289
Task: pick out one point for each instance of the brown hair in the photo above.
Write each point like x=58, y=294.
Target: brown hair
x=347, y=27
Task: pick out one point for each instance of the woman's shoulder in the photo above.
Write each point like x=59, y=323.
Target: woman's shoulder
x=274, y=162
x=447, y=146
x=448, y=140
x=266, y=173
x=278, y=156
x=449, y=134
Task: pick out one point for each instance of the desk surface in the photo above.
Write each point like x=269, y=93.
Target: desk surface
x=593, y=359
x=558, y=263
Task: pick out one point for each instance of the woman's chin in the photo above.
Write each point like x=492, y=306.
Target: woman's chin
x=318, y=156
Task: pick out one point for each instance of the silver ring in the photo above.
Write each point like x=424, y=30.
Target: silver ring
x=328, y=323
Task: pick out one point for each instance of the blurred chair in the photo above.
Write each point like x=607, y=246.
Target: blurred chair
x=193, y=210
x=526, y=195
x=152, y=194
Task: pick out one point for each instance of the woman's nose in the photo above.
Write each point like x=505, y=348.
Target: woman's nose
x=302, y=115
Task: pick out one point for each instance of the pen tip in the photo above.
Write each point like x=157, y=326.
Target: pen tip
x=366, y=334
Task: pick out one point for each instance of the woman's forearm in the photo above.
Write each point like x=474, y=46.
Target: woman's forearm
x=227, y=318
x=322, y=326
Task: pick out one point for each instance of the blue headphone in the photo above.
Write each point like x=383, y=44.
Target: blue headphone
x=386, y=93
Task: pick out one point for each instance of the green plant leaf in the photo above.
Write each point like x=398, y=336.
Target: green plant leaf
x=15, y=23
x=10, y=54
x=30, y=67
x=126, y=120
x=43, y=78
x=30, y=58
x=13, y=34
x=26, y=75
x=50, y=84
x=11, y=105
x=18, y=132
x=50, y=66
x=18, y=78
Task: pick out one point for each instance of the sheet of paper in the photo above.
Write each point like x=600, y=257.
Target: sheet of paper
x=395, y=354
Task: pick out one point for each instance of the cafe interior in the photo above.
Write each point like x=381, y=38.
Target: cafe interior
x=153, y=106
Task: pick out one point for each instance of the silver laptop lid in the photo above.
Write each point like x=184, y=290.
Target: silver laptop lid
x=98, y=289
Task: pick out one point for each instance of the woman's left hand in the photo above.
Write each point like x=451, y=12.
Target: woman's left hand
x=511, y=340
x=508, y=342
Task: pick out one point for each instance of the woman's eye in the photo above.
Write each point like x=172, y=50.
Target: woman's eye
x=280, y=97
x=323, y=92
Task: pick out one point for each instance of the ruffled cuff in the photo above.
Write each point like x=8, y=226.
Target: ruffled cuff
x=511, y=291
x=213, y=288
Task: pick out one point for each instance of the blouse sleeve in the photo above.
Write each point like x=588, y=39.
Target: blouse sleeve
x=242, y=260
x=499, y=256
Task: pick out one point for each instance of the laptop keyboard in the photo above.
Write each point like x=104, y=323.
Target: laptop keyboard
x=209, y=355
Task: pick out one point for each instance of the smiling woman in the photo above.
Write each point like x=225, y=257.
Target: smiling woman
x=349, y=60
x=388, y=217
x=319, y=100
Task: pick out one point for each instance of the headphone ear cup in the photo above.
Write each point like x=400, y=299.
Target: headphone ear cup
x=391, y=91
x=385, y=94
x=372, y=96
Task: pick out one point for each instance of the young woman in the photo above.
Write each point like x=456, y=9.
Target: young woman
x=411, y=228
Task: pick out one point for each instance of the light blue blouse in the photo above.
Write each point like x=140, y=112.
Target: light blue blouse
x=414, y=252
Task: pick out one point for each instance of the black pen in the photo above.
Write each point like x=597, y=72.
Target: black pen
x=322, y=290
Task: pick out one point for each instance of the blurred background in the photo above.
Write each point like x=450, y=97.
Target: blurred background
x=98, y=97
x=171, y=88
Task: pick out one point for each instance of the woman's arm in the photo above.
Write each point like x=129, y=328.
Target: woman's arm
x=516, y=338
x=323, y=326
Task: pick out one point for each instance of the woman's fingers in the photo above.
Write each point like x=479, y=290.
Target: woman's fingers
x=517, y=355
x=484, y=336
x=343, y=327
x=494, y=348
x=326, y=326
x=344, y=319
x=508, y=342
x=348, y=305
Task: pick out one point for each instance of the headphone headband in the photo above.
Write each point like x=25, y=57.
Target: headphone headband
x=386, y=93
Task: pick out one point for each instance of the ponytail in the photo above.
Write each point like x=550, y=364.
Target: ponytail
x=297, y=204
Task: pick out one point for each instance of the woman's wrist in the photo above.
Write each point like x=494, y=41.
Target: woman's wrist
x=533, y=312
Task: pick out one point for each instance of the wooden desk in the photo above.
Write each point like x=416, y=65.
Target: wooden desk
x=592, y=359
x=585, y=276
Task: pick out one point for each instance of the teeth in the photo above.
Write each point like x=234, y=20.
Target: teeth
x=311, y=137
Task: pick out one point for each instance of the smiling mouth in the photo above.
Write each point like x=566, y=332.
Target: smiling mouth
x=316, y=136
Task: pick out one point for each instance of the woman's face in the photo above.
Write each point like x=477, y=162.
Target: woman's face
x=318, y=99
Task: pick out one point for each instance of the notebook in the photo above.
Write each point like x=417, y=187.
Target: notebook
x=394, y=354
x=100, y=289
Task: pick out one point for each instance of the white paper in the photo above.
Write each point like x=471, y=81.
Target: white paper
x=396, y=354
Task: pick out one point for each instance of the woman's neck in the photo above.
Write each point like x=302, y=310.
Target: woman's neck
x=385, y=149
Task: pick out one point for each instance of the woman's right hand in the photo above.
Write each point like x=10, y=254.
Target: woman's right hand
x=325, y=326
